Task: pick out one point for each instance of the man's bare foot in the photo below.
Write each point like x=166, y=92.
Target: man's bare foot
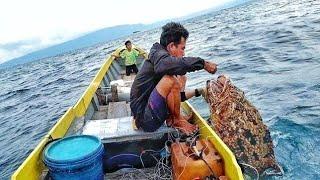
x=184, y=126
x=169, y=121
x=188, y=118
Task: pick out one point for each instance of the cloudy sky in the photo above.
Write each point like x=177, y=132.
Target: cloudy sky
x=29, y=25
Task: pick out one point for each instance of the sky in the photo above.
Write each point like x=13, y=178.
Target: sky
x=26, y=26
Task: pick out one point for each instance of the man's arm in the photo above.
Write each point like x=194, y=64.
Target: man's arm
x=115, y=57
x=122, y=54
x=165, y=64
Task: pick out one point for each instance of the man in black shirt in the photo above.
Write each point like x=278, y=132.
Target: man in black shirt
x=158, y=88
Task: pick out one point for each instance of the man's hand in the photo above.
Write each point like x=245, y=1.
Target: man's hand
x=210, y=67
x=182, y=80
x=115, y=57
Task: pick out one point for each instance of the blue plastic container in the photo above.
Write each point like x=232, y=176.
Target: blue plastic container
x=75, y=158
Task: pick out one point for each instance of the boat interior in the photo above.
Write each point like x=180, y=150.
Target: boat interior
x=130, y=153
x=109, y=118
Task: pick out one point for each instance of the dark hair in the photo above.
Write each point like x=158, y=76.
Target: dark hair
x=127, y=42
x=172, y=32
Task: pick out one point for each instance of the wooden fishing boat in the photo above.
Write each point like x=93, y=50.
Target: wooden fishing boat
x=92, y=115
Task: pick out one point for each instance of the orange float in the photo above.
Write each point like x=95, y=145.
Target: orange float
x=196, y=162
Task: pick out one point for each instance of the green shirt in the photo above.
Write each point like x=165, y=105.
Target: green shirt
x=130, y=57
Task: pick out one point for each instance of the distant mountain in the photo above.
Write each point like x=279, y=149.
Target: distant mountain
x=102, y=35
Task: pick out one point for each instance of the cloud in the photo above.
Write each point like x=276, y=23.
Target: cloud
x=16, y=49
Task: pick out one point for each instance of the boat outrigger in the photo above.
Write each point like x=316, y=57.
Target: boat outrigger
x=103, y=110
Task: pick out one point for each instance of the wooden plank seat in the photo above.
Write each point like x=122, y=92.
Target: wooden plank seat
x=120, y=130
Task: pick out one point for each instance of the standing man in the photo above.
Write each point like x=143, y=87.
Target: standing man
x=130, y=57
x=158, y=88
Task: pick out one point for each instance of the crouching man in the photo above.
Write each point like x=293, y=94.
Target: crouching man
x=159, y=87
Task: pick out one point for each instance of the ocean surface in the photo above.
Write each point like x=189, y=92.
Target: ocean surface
x=270, y=49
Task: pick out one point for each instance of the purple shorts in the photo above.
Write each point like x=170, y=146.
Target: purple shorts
x=156, y=112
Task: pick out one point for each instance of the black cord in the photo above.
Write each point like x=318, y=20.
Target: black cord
x=201, y=157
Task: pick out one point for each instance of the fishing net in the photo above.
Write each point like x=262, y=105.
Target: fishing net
x=240, y=126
